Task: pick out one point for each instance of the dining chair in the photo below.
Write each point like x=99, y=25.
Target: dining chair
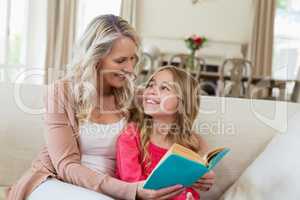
x=145, y=68
x=235, y=78
x=295, y=97
x=180, y=60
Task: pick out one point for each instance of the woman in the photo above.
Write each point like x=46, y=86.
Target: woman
x=85, y=112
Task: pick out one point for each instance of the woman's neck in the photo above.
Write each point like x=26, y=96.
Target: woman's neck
x=104, y=89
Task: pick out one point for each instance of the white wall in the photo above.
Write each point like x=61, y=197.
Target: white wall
x=226, y=23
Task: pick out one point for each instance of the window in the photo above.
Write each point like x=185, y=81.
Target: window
x=22, y=39
x=287, y=39
x=22, y=32
x=88, y=9
x=12, y=28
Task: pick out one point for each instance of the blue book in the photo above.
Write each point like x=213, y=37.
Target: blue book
x=183, y=166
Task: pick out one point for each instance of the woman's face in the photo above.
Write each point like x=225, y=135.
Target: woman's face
x=119, y=63
x=160, y=97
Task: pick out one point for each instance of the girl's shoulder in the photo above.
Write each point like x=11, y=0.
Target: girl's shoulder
x=131, y=132
x=131, y=128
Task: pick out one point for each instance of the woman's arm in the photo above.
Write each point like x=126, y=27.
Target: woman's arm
x=65, y=154
x=129, y=167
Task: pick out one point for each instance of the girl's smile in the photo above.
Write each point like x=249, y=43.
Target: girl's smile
x=160, y=97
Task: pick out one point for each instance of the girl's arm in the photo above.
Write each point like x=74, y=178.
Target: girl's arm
x=207, y=181
x=129, y=165
x=64, y=152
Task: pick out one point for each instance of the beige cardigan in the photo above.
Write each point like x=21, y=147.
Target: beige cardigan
x=60, y=158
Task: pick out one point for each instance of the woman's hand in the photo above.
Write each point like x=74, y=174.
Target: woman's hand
x=165, y=193
x=206, y=182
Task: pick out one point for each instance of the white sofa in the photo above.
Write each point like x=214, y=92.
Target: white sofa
x=246, y=126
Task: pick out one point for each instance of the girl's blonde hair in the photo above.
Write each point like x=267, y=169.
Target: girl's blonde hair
x=95, y=43
x=180, y=132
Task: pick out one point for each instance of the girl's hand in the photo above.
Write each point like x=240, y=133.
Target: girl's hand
x=165, y=193
x=206, y=182
x=189, y=196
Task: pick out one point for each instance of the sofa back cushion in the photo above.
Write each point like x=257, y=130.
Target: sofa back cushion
x=21, y=129
x=246, y=127
x=274, y=174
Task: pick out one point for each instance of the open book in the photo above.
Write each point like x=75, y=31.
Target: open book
x=183, y=166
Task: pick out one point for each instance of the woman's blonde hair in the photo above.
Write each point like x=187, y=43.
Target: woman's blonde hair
x=180, y=132
x=95, y=43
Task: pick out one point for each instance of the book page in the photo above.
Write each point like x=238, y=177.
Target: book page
x=187, y=153
x=212, y=154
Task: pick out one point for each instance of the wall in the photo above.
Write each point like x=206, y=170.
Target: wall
x=226, y=23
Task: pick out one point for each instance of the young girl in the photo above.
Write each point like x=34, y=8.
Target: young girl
x=170, y=106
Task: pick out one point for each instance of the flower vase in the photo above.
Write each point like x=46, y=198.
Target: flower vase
x=190, y=64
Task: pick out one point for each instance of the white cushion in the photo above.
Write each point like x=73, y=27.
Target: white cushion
x=246, y=127
x=275, y=173
x=21, y=132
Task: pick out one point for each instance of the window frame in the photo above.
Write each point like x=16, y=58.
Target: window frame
x=281, y=36
x=7, y=33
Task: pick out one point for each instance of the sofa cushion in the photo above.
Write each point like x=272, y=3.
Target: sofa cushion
x=246, y=127
x=21, y=129
x=274, y=174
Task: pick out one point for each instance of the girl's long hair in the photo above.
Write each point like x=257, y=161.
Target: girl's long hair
x=180, y=132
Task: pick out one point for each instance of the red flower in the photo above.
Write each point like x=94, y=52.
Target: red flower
x=194, y=42
x=198, y=41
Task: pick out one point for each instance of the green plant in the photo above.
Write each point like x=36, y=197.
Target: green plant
x=281, y=4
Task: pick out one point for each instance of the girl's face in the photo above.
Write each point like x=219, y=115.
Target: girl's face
x=119, y=62
x=160, y=97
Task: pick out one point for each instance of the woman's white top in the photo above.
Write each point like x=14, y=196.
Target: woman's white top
x=98, y=145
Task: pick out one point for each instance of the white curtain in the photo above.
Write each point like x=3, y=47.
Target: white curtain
x=128, y=11
x=60, y=37
x=262, y=37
